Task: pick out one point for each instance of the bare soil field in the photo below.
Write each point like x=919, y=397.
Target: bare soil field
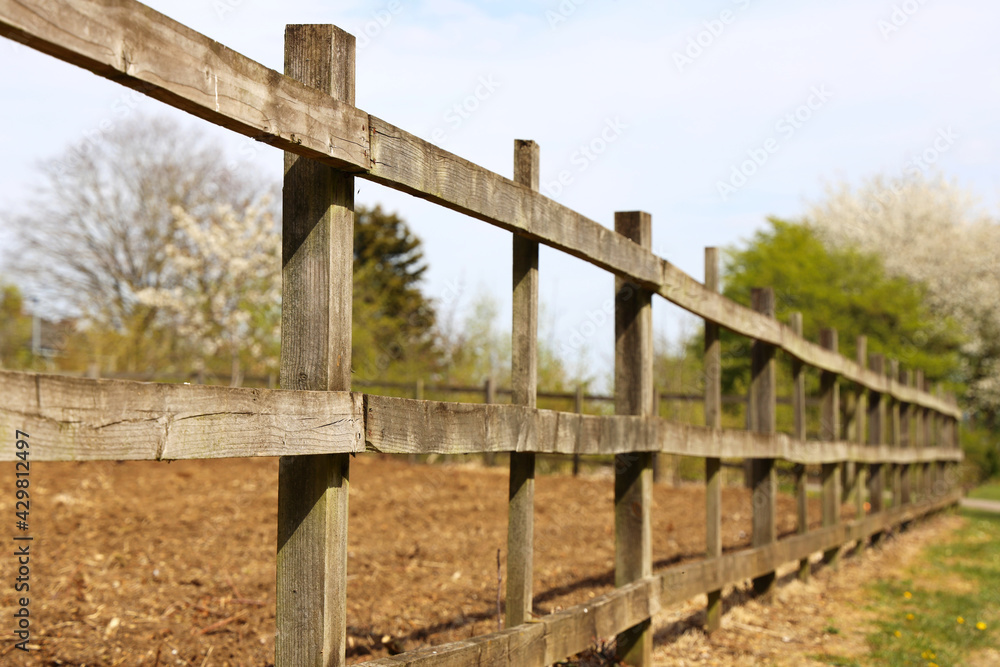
x=148, y=563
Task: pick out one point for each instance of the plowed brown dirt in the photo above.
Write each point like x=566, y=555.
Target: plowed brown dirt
x=147, y=563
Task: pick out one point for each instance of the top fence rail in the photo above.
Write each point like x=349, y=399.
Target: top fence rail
x=129, y=43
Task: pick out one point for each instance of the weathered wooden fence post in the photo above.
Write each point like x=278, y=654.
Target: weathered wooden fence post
x=762, y=412
x=801, y=470
x=578, y=409
x=317, y=283
x=937, y=421
x=489, y=397
x=876, y=436
x=861, y=433
x=524, y=381
x=905, y=442
x=633, y=472
x=713, y=419
x=895, y=469
x=665, y=466
x=829, y=388
x=920, y=435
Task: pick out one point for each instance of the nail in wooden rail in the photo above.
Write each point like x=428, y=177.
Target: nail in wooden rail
x=317, y=262
x=713, y=419
x=801, y=471
x=524, y=385
x=829, y=388
x=763, y=475
x=633, y=472
x=876, y=436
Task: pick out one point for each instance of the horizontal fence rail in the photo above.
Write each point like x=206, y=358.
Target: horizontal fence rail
x=897, y=434
x=98, y=420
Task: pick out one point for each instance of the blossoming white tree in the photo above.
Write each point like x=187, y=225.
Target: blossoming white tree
x=225, y=295
x=932, y=232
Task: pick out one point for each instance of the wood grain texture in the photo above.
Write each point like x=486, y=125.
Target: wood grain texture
x=876, y=436
x=634, y=472
x=799, y=431
x=524, y=385
x=713, y=420
x=85, y=419
x=76, y=419
x=131, y=44
x=763, y=476
x=861, y=428
x=317, y=295
x=829, y=388
x=405, y=426
x=905, y=442
x=894, y=436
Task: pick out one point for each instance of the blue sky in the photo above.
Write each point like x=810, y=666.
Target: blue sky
x=672, y=97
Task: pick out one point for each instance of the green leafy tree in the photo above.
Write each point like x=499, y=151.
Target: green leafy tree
x=15, y=330
x=841, y=288
x=934, y=232
x=394, y=323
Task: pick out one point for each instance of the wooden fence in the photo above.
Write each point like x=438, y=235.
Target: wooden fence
x=315, y=422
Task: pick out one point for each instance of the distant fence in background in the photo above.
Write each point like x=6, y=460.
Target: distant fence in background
x=899, y=435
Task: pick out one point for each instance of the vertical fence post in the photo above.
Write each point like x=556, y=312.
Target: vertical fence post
x=489, y=397
x=920, y=436
x=930, y=442
x=713, y=419
x=951, y=466
x=524, y=386
x=317, y=283
x=829, y=388
x=905, y=423
x=876, y=436
x=801, y=476
x=937, y=419
x=861, y=433
x=418, y=394
x=896, y=470
x=633, y=472
x=762, y=412
x=578, y=408
x=661, y=463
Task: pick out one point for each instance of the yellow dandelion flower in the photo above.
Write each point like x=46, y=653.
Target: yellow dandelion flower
x=961, y=620
x=980, y=625
x=907, y=595
x=909, y=617
x=932, y=664
x=898, y=633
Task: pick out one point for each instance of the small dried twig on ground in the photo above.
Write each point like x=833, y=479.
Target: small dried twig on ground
x=222, y=623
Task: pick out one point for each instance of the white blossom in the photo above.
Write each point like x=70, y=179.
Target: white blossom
x=931, y=232
x=226, y=269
